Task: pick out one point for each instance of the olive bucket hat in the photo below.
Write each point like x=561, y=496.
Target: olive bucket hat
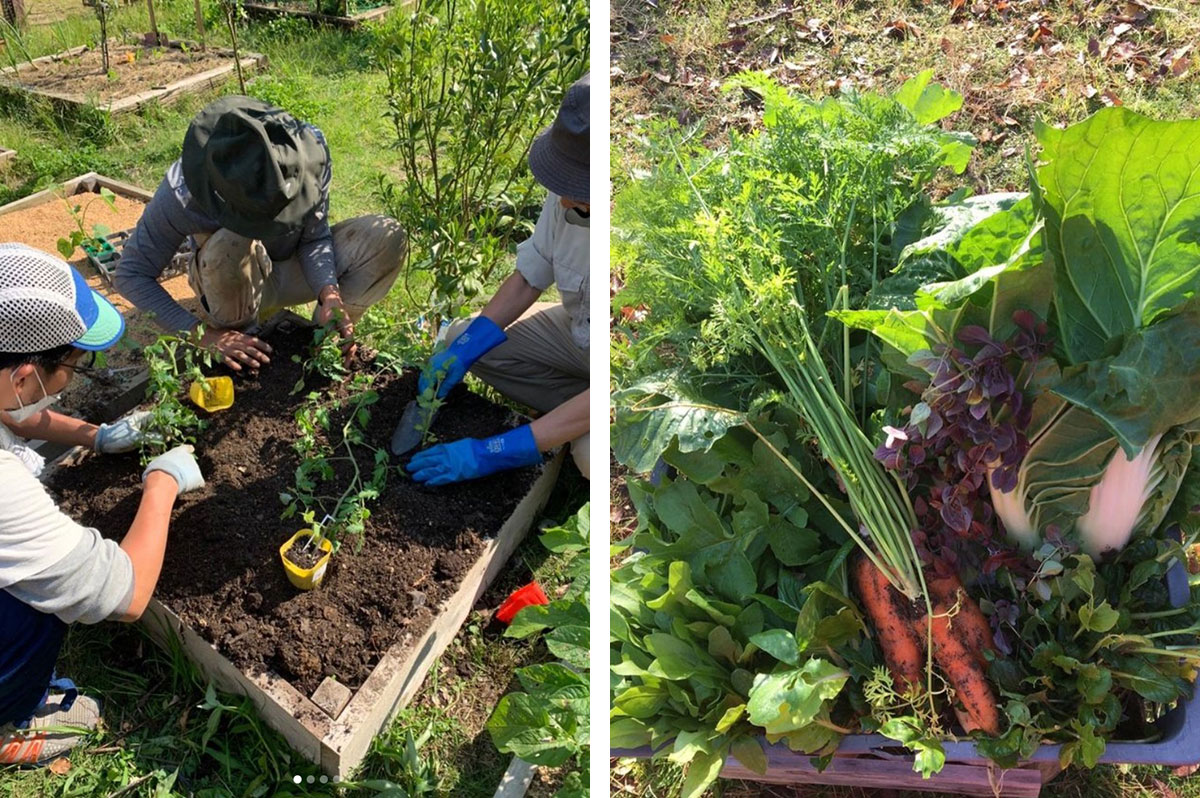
x=252, y=167
x=559, y=155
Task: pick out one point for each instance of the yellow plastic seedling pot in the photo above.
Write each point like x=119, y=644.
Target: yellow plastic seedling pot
x=305, y=578
x=218, y=396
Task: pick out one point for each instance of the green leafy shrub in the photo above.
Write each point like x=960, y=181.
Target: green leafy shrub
x=470, y=83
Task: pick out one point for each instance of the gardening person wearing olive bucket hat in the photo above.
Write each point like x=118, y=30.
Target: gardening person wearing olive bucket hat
x=251, y=190
x=535, y=353
x=53, y=571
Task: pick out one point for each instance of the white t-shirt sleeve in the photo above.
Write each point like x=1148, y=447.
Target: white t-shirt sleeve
x=535, y=255
x=52, y=563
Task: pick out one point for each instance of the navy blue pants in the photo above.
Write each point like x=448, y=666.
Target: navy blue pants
x=29, y=644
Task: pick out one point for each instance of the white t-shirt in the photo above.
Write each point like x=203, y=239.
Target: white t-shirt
x=52, y=563
x=557, y=253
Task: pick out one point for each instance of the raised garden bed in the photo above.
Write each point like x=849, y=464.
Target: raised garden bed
x=6, y=156
x=327, y=667
x=138, y=75
x=39, y=220
x=307, y=10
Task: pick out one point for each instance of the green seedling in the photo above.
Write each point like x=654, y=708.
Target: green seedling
x=173, y=362
x=321, y=444
x=429, y=401
x=327, y=358
x=80, y=235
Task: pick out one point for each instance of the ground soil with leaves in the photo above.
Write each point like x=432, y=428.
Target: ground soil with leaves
x=222, y=572
x=1014, y=61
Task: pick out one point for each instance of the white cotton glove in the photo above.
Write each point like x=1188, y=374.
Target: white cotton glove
x=123, y=435
x=181, y=465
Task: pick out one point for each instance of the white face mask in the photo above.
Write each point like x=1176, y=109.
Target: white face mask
x=26, y=411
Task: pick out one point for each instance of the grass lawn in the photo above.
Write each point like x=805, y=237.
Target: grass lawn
x=162, y=735
x=1015, y=61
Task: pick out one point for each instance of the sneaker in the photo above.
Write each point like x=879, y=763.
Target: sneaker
x=51, y=732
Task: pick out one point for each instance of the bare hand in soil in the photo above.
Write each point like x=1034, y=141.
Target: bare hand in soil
x=330, y=306
x=237, y=348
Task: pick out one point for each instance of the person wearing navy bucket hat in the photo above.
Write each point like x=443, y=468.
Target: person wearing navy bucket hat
x=251, y=192
x=53, y=571
x=535, y=353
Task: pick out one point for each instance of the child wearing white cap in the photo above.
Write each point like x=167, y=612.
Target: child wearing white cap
x=53, y=571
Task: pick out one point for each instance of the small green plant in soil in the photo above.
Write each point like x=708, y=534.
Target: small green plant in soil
x=417, y=775
x=322, y=443
x=173, y=362
x=428, y=399
x=327, y=358
x=546, y=722
x=80, y=235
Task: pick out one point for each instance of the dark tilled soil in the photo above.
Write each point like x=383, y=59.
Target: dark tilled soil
x=222, y=572
x=303, y=554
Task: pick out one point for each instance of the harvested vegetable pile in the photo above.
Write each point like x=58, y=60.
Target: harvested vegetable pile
x=915, y=468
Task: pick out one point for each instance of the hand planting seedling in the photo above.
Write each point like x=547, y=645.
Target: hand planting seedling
x=428, y=399
x=80, y=236
x=172, y=362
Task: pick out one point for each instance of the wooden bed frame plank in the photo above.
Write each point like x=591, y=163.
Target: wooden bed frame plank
x=250, y=62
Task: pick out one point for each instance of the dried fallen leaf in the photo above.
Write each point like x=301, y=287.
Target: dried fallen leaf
x=662, y=78
x=900, y=30
x=1093, y=46
x=60, y=766
x=1183, y=771
x=1110, y=98
x=946, y=45
x=1164, y=790
x=666, y=38
x=1089, y=91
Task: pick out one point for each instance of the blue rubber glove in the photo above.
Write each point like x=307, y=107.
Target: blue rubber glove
x=480, y=337
x=471, y=458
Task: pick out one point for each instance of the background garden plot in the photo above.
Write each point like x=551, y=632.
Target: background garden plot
x=163, y=735
x=1014, y=61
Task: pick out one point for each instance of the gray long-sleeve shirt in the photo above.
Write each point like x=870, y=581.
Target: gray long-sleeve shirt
x=171, y=216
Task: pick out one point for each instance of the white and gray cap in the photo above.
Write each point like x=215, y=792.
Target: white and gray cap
x=45, y=304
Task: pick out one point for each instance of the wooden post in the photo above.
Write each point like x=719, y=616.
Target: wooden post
x=199, y=23
x=153, y=22
x=14, y=12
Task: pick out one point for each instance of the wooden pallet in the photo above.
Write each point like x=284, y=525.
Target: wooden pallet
x=349, y=23
x=785, y=766
x=334, y=726
x=211, y=79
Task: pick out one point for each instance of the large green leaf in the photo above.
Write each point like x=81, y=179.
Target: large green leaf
x=1121, y=199
x=787, y=700
x=651, y=416
x=1150, y=386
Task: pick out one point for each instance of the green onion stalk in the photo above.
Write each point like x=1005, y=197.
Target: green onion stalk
x=877, y=498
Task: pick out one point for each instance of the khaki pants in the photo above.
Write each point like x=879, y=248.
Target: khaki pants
x=539, y=365
x=237, y=279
